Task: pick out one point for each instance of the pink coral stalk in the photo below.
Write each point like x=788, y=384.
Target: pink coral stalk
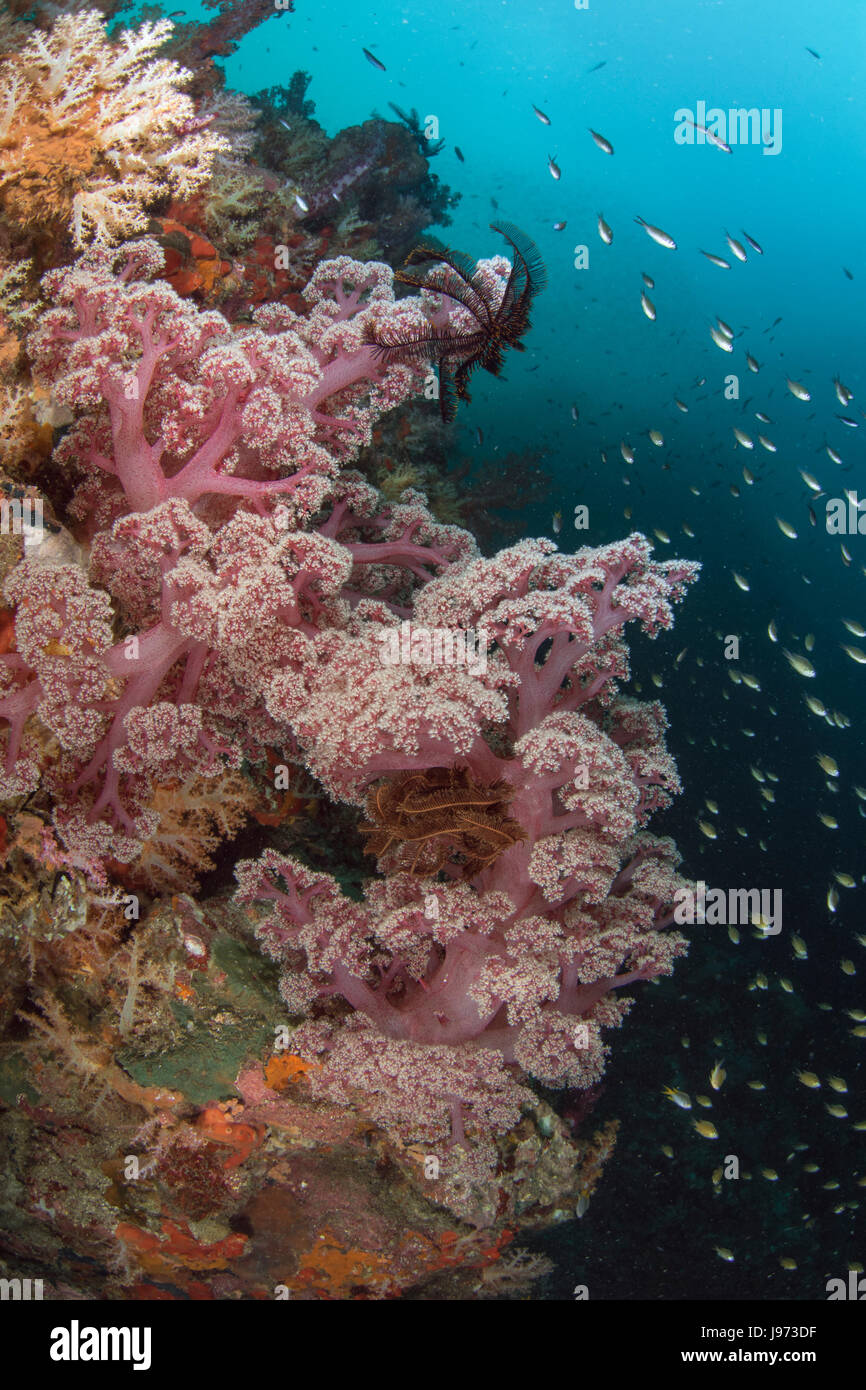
x=181, y=404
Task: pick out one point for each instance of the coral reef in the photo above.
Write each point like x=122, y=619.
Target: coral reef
x=227, y=654
x=340, y=181
x=509, y=796
x=146, y=1157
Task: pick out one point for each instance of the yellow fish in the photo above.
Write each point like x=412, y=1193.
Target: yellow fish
x=678, y=1097
x=799, y=663
x=706, y=1129
x=809, y=1079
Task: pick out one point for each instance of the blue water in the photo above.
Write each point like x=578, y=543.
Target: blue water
x=479, y=67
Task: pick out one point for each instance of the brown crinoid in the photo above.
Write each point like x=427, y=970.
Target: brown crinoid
x=438, y=817
x=497, y=324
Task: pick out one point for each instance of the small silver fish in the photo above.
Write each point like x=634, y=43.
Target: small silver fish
x=720, y=340
x=545, y=120
x=737, y=247
x=657, y=234
x=371, y=58
x=716, y=260
x=711, y=136
x=603, y=144
x=797, y=389
x=555, y=171
x=843, y=395
x=718, y=142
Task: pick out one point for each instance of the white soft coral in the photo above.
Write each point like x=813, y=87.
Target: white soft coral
x=95, y=130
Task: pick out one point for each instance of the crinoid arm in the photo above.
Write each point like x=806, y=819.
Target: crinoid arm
x=456, y=277
x=465, y=291
x=447, y=398
x=441, y=818
x=423, y=345
x=461, y=379
x=528, y=273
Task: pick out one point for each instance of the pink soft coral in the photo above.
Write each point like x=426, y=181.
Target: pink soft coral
x=175, y=402
x=244, y=593
x=522, y=961
x=175, y=407
x=210, y=617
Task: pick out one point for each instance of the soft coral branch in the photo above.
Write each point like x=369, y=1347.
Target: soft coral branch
x=198, y=403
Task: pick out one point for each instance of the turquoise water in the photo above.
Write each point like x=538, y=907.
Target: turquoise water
x=480, y=67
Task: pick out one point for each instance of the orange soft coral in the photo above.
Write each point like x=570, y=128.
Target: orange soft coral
x=195, y=816
x=92, y=132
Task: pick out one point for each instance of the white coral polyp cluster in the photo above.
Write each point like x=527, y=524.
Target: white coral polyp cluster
x=74, y=87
